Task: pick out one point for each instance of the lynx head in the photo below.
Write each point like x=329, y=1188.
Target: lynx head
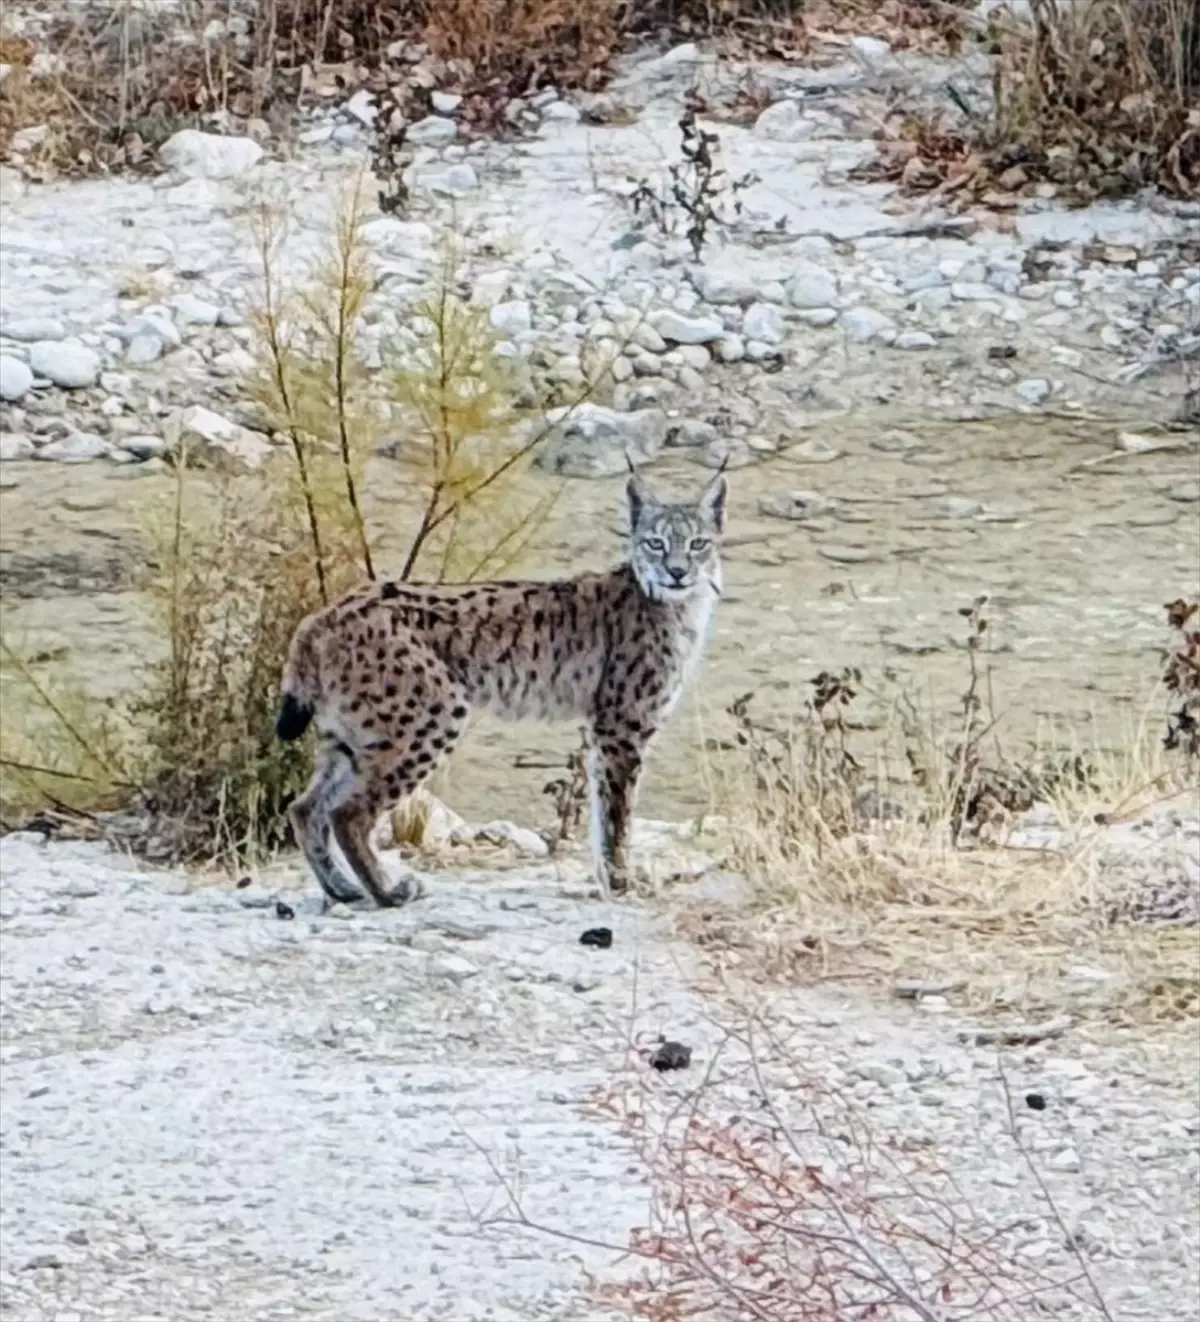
x=673, y=547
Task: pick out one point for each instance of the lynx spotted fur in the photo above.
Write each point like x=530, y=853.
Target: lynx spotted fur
x=391, y=674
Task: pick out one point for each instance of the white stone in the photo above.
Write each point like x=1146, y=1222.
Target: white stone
x=209, y=155
x=561, y=111
x=673, y=326
x=817, y=316
x=764, y=322
x=812, y=287
x=27, y=329
x=521, y=838
x=71, y=366
x=445, y=103
x=592, y=441
x=724, y=285
x=397, y=236
x=730, y=349
x=432, y=131
x=362, y=107
x=454, y=182
x=511, y=318
x=783, y=122
x=202, y=431
x=13, y=446
x=865, y=324
x=79, y=448
x=872, y=49
x=1034, y=390
x=915, y=340
x=193, y=311
x=646, y=337
x=15, y=379
x=144, y=347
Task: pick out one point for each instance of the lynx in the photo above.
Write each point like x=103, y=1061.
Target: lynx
x=392, y=673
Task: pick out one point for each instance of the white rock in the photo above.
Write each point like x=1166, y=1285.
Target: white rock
x=690, y=432
x=783, y=122
x=34, y=328
x=872, y=49
x=759, y=351
x=522, y=839
x=362, y=107
x=512, y=318
x=15, y=379
x=724, y=285
x=193, y=311
x=646, y=337
x=865, y=324
x=397, y=236
x=593, y=441
x=15, y=446
x=1034, y=390
x=78, y=448
x=915, y=340
x=71, y=366
x=764, y=322
x=208, y=434
x=432, y=131
x=730, y=349
x=562, y=112
x=445, y=103
x=811, y=287
x=817, y=316
x=454, y=182
x=209, y=155
x=695, y=356
x=144, y=347
x=674, y=326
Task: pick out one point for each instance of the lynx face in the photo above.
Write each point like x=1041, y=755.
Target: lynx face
x=673, y=547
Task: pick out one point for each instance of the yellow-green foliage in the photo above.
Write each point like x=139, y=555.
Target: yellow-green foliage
x=469, y=441
x=240, y=559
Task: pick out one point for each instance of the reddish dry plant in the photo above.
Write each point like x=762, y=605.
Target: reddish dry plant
x=116, y=80
x=778, y=1206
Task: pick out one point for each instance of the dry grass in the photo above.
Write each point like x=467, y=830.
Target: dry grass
x=101, y=86
x=888, y=849
x=776, y=1196
x=1093, y=99
x=241, y=558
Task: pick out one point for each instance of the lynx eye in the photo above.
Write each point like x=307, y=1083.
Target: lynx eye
x=654, y=544
x=700, y=543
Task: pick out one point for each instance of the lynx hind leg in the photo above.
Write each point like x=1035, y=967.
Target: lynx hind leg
x=406, y=740
x=332, y=779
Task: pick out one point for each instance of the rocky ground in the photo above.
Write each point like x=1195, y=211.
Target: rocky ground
x=210, y=1111
x=122, y=324
x=189, y=1081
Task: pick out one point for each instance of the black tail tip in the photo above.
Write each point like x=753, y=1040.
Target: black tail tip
x=293, y=719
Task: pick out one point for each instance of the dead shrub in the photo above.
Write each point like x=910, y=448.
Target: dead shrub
x=774, y=1198
x=887, y=845
x=241, y=557
x=1099, y=98
x=100, y=87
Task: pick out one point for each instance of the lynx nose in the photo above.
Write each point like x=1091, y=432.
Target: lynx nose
x=677, y=575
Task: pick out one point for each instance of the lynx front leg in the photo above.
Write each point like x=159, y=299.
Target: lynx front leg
x=613, y=773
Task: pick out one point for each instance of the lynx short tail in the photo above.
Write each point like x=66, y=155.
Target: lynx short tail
x=301, y=688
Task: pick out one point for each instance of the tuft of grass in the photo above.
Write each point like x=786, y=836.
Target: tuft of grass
x=882, y=847
x=108, y=84
x=1090, y=99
